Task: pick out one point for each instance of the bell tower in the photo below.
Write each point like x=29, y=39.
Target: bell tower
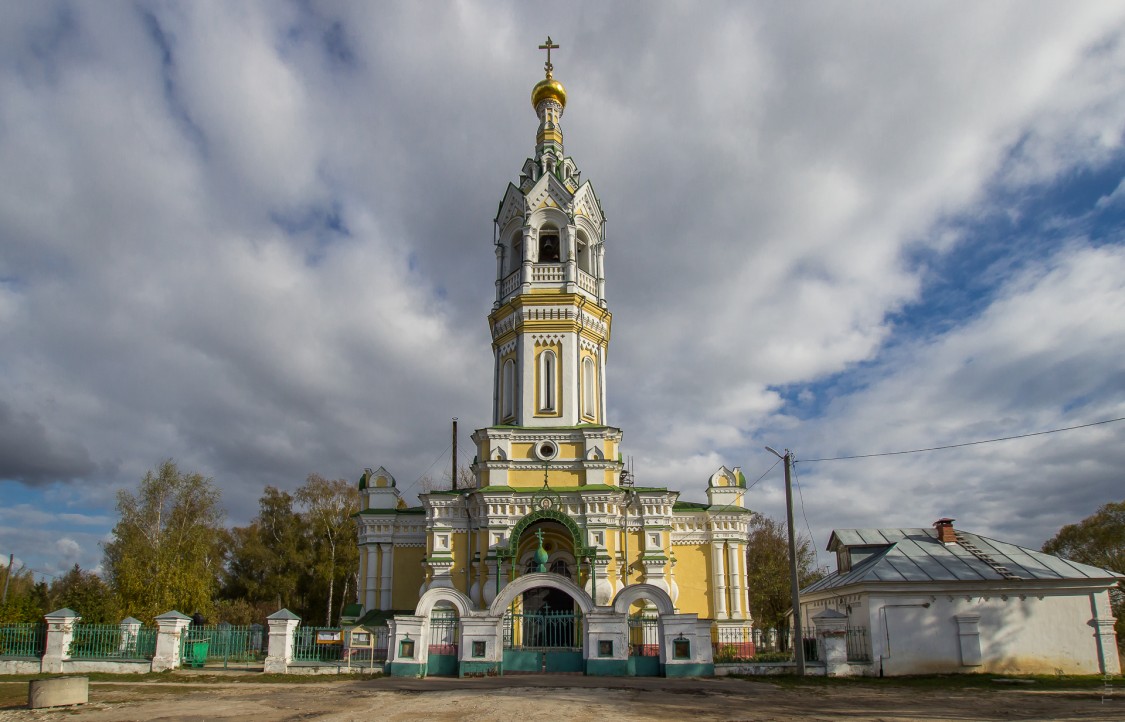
x=550, y=324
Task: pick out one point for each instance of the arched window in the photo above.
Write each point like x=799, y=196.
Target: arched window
x=508, y=389
x=548, y=375
x=515, y=256
x=585, y=254
x=589, y=390
x=549, y=245
x=559, y=566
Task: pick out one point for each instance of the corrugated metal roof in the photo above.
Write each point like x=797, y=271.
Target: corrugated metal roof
x=916, y=555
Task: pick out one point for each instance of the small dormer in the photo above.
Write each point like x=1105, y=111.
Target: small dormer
x=726, y=487
x=849, y=555
x=378, y=489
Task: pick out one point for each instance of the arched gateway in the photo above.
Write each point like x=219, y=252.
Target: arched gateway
x=545, y=638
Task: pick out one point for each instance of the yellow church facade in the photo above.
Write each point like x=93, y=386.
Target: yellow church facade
x=555, y=560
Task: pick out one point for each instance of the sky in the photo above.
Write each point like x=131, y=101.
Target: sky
x=256, y=238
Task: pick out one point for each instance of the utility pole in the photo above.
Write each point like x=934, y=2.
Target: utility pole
x=794, y=585
x=453, y=474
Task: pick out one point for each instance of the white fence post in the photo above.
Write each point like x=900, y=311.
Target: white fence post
x=60, y=633
x=283, y=625
x=170, y=629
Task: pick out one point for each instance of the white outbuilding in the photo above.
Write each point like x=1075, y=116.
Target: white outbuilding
x=924, y=601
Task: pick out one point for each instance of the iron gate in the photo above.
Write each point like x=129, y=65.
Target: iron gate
x=545, y=641
x=443, y=643
x=644, y=645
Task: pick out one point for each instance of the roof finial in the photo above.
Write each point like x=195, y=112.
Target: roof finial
x=548, y=46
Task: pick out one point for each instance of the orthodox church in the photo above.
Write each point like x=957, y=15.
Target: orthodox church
x=555, y=560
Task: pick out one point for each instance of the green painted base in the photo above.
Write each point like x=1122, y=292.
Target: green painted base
x=689, y=670
x=479, y=669
x=406, y=669
x=607, y=667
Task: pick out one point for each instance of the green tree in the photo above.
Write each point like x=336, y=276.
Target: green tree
x=268, y=558
x=166, y=550
x=767, y=570
x=330, y=507
x=87, y=594
x=1097, y=540
x=27, y=600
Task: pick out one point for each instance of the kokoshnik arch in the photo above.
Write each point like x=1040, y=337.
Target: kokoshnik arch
x=550, y=499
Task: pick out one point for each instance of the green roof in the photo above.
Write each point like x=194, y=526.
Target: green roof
x=688, y=506
x=408, y=510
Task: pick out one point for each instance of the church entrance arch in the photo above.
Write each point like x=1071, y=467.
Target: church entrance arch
x=542, y=638
x=645, y=605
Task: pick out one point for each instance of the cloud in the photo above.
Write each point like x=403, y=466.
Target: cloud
x=257, y=240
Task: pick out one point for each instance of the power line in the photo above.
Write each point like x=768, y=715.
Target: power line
x=967, y=443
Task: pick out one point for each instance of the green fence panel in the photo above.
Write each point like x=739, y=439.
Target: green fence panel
x=112, y=641
x=318, y=644
x=26, y=640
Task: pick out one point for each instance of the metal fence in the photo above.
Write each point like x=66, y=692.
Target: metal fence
x=367, y=645
x=223, y=644
x=318, y=644
x=858, y=648
x=112, y=641
x=738, y=644
x=23, y=640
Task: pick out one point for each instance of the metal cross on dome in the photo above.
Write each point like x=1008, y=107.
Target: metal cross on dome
x=549, y=46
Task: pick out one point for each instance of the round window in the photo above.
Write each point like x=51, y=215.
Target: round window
x=546, y=450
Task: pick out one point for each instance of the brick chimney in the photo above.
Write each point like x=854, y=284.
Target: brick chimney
x=945, y=533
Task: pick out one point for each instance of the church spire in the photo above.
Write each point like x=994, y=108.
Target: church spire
x=548, y=97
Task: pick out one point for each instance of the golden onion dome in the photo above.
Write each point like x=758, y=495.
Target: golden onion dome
x=548, y=89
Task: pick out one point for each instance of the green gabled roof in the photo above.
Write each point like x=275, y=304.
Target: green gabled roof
x=376, y=617
x=550, y=428
x=688, y=506
x=408, y=510
x=558, y=489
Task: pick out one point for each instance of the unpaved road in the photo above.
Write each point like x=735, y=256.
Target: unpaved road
x=557, y=698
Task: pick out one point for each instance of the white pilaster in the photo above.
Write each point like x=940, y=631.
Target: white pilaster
x=387, y=553
x=371, y=578
x=719, y=580
x=735, y=582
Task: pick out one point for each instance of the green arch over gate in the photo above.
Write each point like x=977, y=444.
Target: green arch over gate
x=580, y=549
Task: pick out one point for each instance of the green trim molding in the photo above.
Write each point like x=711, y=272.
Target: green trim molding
x=692, y=669
x=406, y=669
x=607, y=667
x=479, y=669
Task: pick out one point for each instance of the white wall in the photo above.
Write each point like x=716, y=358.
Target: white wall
x=1035, y=633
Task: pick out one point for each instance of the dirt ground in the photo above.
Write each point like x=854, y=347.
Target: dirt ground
x=523, y=699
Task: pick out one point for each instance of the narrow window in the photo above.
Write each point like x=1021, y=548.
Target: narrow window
x=547, y=380
x=508, y=390
x=589, y=397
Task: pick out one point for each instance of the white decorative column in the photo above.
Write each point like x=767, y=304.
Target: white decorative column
x=170, y=628
x=1108, y=659
x=488, y=584
x=387, y=554
x=371, y=578
x=735, y=582
x=744, y=576
x=283, y=625
x=60, y=633
x=719, y=581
